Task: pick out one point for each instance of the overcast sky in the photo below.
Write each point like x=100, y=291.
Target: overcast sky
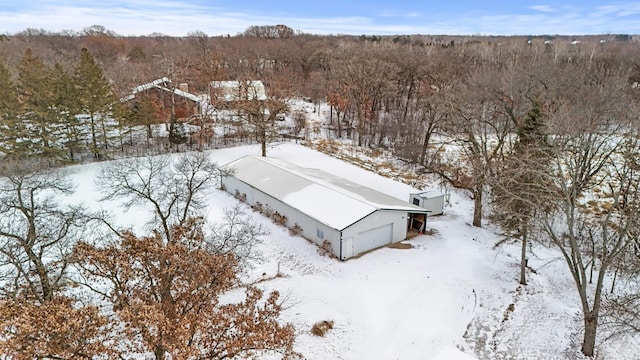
x=221, y=17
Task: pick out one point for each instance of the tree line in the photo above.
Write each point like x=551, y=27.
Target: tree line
x=58, y=114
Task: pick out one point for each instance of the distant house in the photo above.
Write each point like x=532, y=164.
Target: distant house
x=166, y=100
x=345, y=218
x=224, y=92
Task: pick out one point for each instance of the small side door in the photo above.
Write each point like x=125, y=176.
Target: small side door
x=347, y=248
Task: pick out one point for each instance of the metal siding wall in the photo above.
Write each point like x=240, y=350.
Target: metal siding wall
x=377, y=219
x=308, y=225
x=434, y=204
x=232, y=184
x=374, y=238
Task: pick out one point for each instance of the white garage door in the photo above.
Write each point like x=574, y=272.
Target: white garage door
x=373, y=238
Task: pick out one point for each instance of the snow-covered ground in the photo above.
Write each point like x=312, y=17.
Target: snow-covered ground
x=451, y=292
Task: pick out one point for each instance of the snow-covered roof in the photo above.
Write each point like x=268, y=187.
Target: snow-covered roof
x=332, y=200
x=429, y=194
x=147, y=86
x=184, y=94
x=161, y=84
x=236, y=90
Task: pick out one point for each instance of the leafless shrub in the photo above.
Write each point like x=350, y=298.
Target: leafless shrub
x=257, y=207
x=295, y=230
x=279, y=218
x=239, y=196
x=267, y=211
x=322, y=327
x=325, y=249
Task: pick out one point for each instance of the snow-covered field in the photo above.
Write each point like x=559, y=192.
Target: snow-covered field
x=450, y=290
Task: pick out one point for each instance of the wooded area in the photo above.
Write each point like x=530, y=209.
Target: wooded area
x=544, y=132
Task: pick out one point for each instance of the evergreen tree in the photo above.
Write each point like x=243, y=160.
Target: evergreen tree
x=532, y=133
x=521, y=184
x=11, y=129
x=177, y=133
x=35, y=93
x=128, y=130
x=66, y=104
x=95, y=98
x=143, y=113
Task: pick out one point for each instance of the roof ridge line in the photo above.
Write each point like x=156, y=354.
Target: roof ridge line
x=322, y=183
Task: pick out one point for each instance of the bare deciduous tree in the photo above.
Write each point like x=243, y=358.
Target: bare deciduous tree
x=236, y=234
x=365, y=77
x=622, y=312
x=174, y=190
x=37, y=232
x=480, y=129
x=262, y=116
x=589, y=137
x=269, y=31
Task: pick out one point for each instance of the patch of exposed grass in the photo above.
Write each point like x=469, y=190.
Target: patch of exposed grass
x=400, y=245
